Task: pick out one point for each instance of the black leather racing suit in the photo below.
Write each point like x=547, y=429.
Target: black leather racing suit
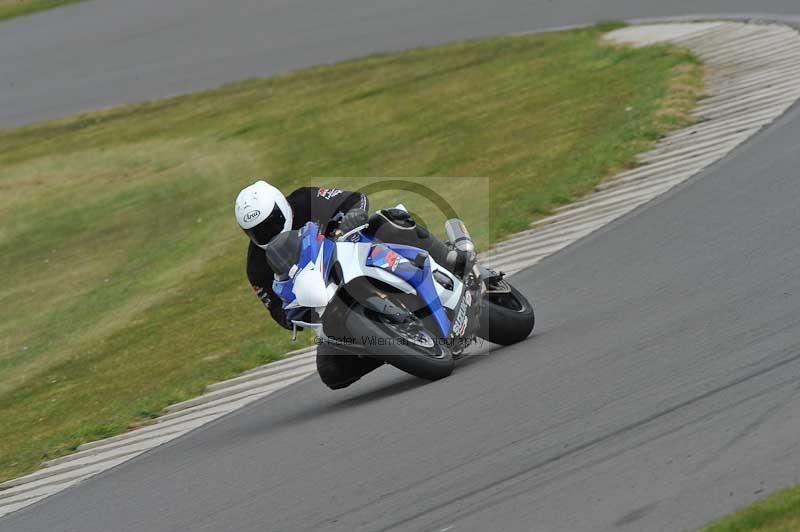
x=322, y=205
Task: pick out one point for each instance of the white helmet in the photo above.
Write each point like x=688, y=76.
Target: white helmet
x=263, y=212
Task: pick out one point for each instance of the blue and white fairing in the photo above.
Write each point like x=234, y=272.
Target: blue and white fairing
x=314, y=263
x=309, y=284
x=398, y=260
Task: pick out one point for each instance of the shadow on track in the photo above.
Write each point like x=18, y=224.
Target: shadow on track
x=319, y=402
x=309, y=413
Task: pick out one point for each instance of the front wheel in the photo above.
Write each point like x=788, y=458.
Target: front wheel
x=407, y=346
x=506, y=316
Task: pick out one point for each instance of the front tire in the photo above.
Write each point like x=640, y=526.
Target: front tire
x=506, y=318
x=420, y=355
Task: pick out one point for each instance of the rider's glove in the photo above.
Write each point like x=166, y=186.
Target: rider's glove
x=354, y=218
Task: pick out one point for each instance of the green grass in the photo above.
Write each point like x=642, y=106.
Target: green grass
x=18, y=8
x=123, y=269
x=779, y=512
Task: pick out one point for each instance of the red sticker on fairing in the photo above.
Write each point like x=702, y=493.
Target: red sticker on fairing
x=391, y=259
x=385, y=258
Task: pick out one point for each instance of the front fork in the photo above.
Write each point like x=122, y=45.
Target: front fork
x=466, y=326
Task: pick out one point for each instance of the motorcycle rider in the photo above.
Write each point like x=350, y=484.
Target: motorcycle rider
x=263, y=212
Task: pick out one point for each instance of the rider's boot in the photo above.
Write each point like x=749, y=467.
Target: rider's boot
x=458, y=260
x=462, y=255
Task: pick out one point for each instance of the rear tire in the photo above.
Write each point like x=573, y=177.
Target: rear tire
x=382, y=343
x=506, y=318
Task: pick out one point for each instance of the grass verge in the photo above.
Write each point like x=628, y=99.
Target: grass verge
x=124, y=286
x=18, y=8
x=779, y=512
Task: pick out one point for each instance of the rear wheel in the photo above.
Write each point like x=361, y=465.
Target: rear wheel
x=408, y=346
x=506, y=315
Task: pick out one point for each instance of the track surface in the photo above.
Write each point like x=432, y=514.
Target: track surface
x=106, y=52
x=661, y=389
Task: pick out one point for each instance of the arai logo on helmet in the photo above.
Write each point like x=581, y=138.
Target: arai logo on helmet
x=252, y=215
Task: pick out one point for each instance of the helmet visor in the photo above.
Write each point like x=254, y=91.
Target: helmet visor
x=271, y=226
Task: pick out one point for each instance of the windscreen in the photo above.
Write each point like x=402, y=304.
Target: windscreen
x=283, y=252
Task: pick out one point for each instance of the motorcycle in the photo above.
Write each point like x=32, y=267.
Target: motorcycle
x=393, y=303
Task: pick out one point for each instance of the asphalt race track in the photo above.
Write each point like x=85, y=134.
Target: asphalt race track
x=106, y=52
x=662, y=387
